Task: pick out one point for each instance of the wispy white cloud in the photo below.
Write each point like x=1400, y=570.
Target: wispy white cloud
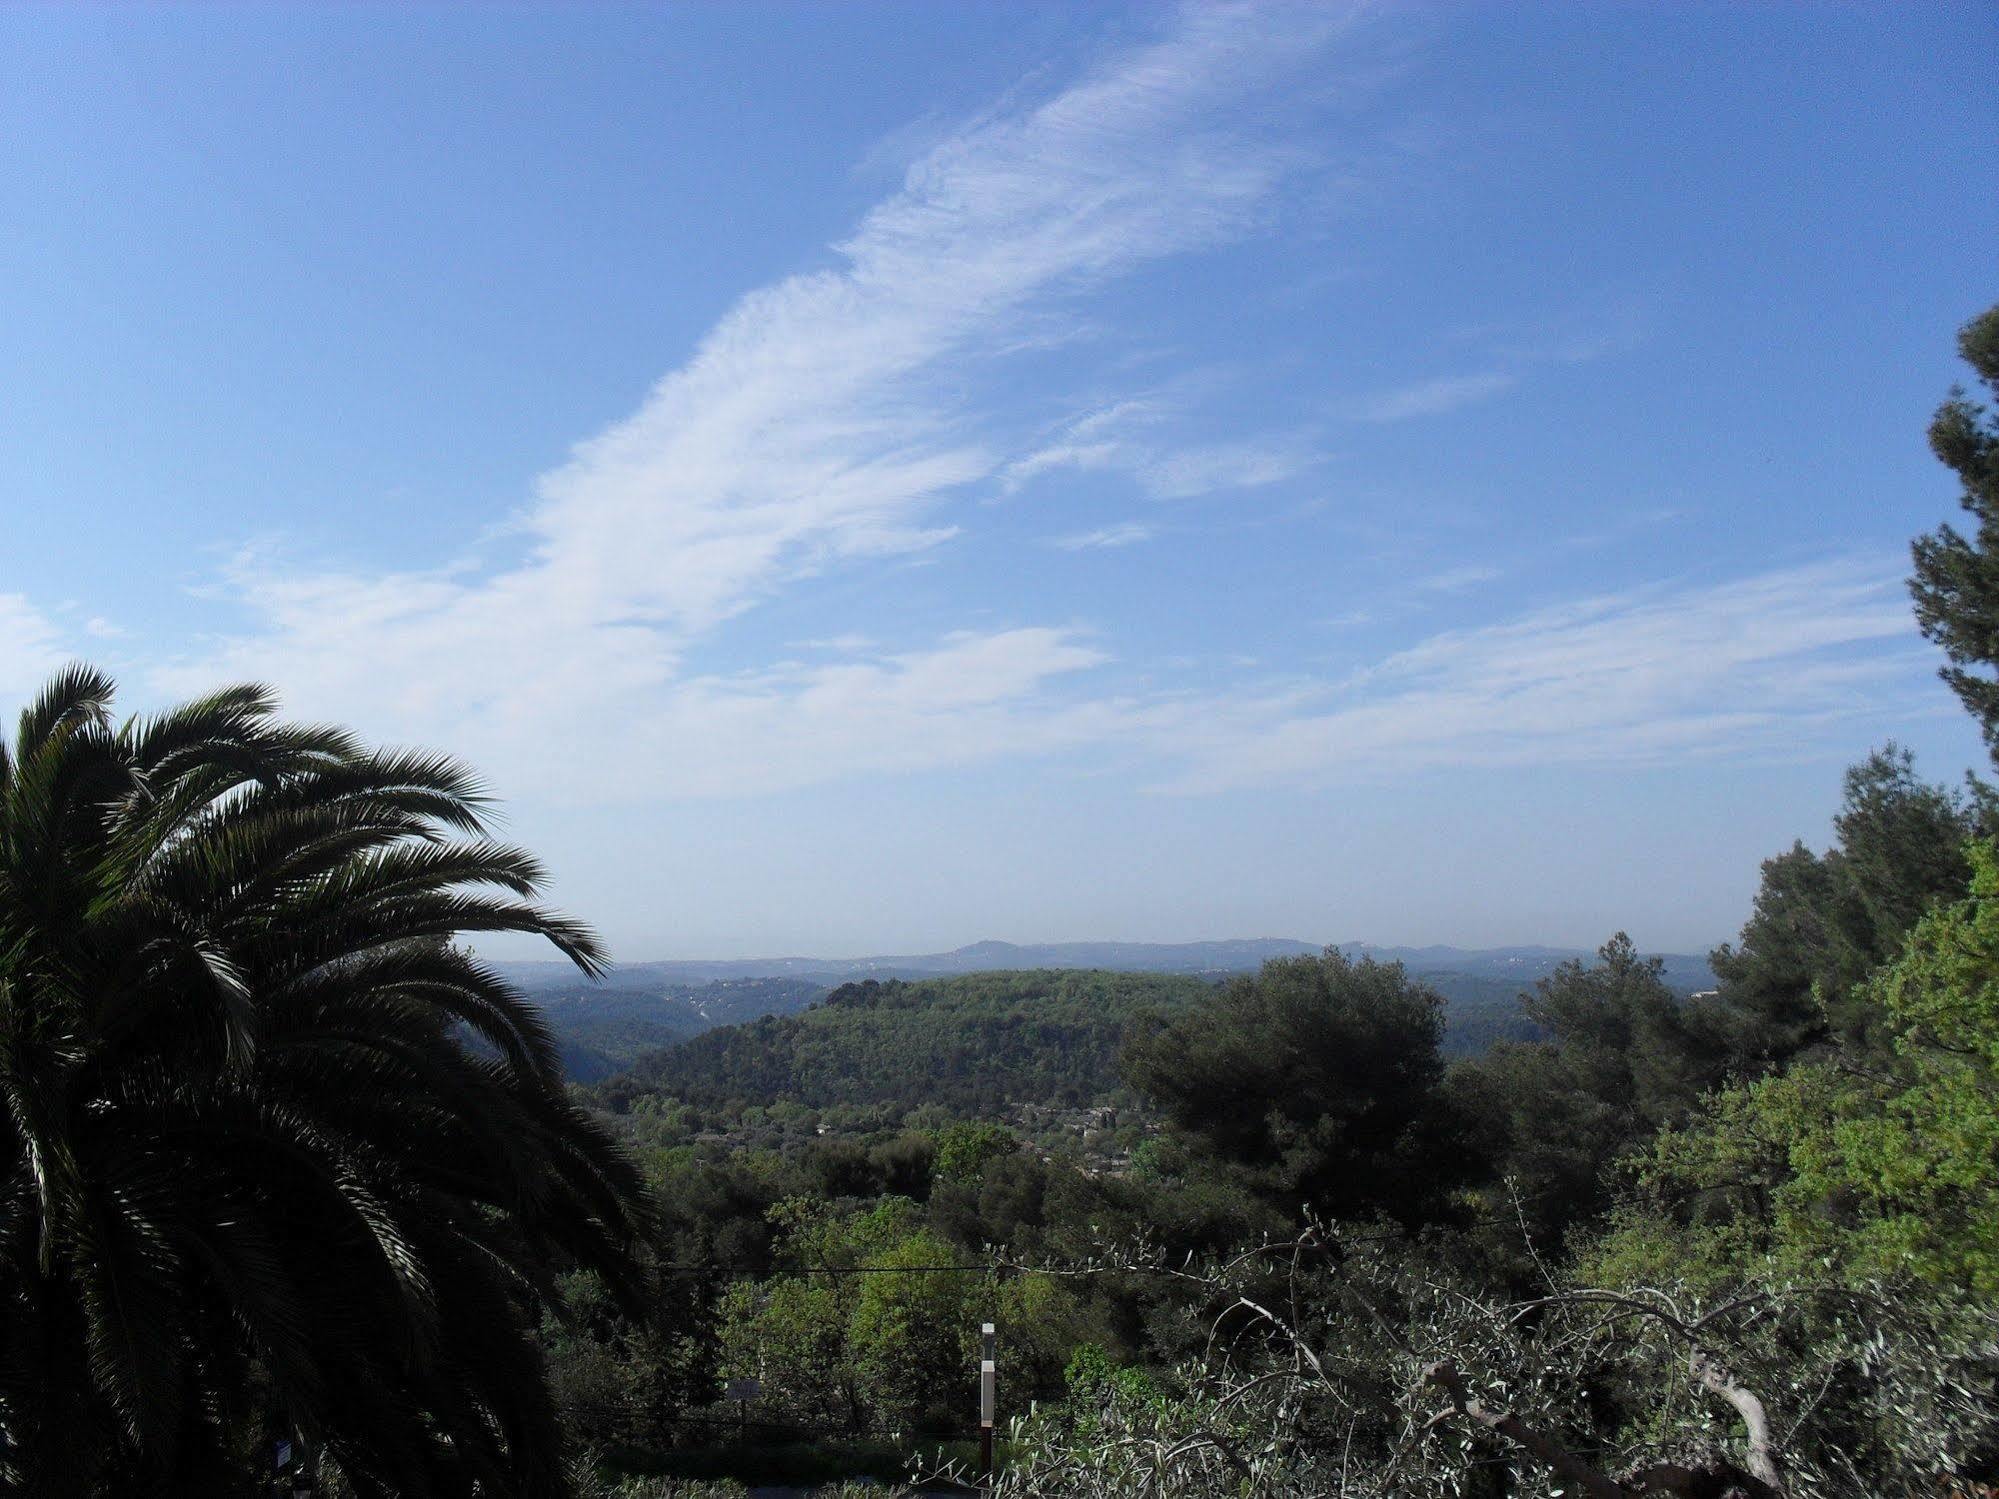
x=800, y=431
x=1458, y=579
x=850, y=644
x=1760, y=665
x=1249, y=464
x=1508, y=351
x=1130, y=533
x=969, y=698
x=1436, y=396
x=1126, y=437
x=1064, y=454
x=808, y=430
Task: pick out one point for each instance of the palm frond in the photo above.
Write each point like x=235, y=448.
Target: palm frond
x=75, y=695
x=246, y=1154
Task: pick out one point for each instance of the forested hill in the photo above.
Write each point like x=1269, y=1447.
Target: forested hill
x=972, y=1043
x=605, y=1026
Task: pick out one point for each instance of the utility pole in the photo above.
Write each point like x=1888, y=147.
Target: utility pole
x=988, y=1379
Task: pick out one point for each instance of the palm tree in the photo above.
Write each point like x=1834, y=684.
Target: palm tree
x=252, y=1185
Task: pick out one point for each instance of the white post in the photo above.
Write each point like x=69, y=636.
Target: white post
x=988, y=1380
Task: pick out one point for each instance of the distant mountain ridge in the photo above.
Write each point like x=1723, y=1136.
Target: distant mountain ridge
x=1234, y=955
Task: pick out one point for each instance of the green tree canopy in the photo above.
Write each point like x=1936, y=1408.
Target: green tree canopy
x=1956, y=583
x=964, y=1149
x=1822, y=923
x=1882, y=1170
x=866, y=1348
x=1320, y=1079
x=250, y=1183
x=1623, y=1055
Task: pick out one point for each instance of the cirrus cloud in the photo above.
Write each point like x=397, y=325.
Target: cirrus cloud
x=1759, y=665
x=804, y=433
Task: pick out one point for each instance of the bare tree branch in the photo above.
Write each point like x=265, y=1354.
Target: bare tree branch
x=1446, y=1377
x=1762, y=1451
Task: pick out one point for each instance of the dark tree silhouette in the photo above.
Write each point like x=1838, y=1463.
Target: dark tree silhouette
x=1317, y=1080
x=251, y=1185
x=1956, y=585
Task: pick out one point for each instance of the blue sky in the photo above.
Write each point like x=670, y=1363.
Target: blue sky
x=864, y=478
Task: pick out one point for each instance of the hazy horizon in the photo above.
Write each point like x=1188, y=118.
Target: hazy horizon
x=1440, y=474
x=629, y=959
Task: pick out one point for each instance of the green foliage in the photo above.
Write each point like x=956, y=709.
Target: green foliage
x=1370, y=1368
x=1121, y=1434
x=1479, y=1012
x=892, y=1348
x=965, y=1149
x=588, y=1485
x=971, y=1045
x=603, y=1026
x=1624, y=1055
x=1823, y=923
x=1031, y=1206
x=968, y=1046
x=1091, y=1374
x=1956, y=582
x=618, y=1378
x=1316, y=1081
x=1881, y=1170
x=250, y=1184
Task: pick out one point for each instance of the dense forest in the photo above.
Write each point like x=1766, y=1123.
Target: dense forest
x=974, y=1046
x=893, y=1042
x=970, y=1045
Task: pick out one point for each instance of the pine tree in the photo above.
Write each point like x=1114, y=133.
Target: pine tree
x=1956, y=583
